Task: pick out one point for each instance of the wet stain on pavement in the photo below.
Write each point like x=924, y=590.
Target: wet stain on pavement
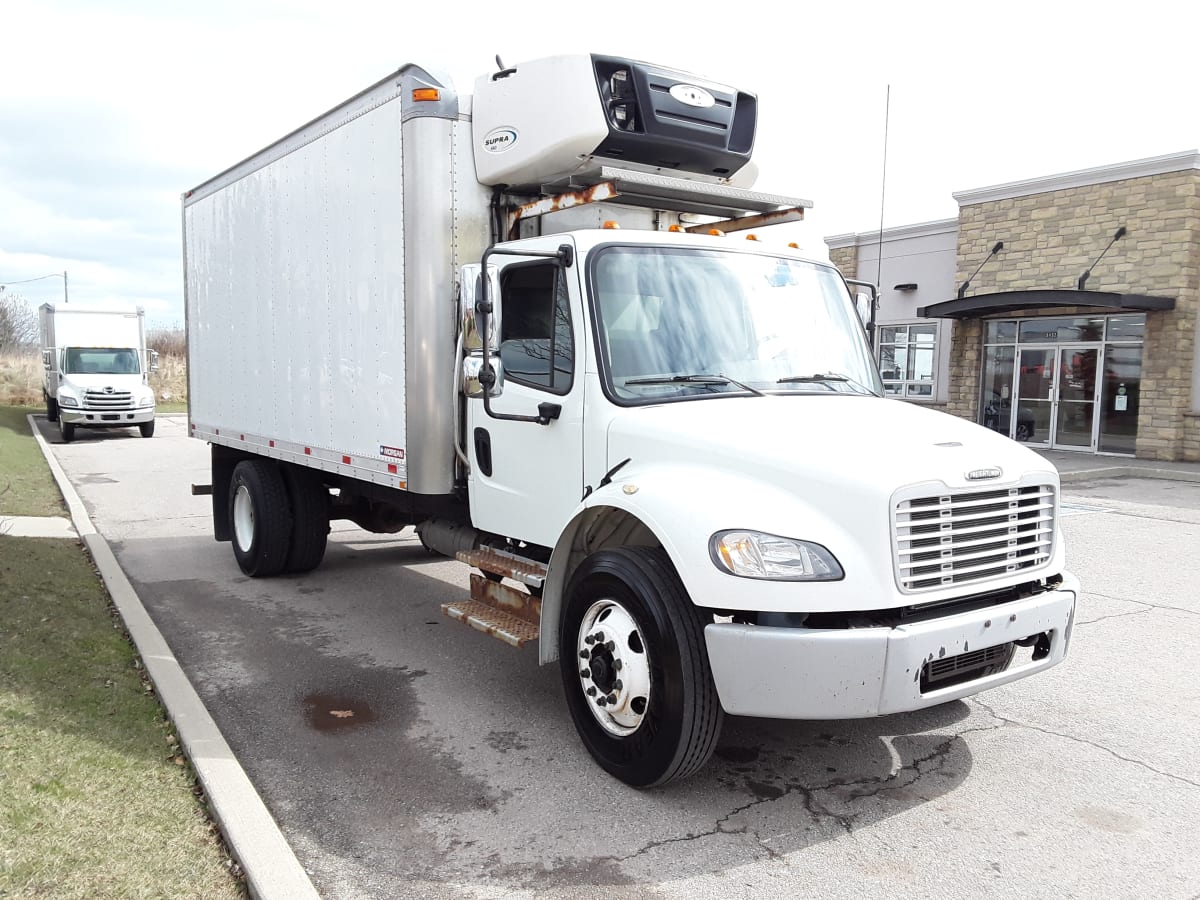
x=330, y=712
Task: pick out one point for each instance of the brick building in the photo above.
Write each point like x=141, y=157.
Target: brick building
x=989, y=316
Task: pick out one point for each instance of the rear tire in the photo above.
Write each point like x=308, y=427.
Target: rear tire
x=51, y=409
x=260, y=518
x=310, y=519
x=66, y=431
x=147, y=428
x=629, y=622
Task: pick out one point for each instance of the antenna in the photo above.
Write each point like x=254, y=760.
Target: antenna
x=499, y=65
x=887, y=110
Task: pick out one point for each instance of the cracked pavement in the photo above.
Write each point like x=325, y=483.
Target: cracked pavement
x=453, y=770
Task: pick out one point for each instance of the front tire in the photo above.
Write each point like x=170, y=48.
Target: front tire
x=260, y=518
x=66, y=431
x=51, y=409
x=147, y=428
x=653, y=714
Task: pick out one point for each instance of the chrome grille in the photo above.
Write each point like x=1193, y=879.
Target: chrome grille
x=969, y=536
x=105, y=400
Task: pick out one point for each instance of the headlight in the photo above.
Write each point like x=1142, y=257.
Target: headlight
x=64, y=400
x=753, y=554
x=146, y=399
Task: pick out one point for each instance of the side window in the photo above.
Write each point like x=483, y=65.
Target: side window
x=536, y=343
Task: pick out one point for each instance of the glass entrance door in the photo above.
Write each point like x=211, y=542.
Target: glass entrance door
x=1032, y=415
x=1075, y=398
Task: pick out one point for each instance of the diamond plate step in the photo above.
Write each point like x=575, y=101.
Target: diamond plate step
x=495, y=622
x=529, y=572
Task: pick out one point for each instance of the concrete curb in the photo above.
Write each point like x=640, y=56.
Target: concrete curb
x=268, y=862
x=1128, y=472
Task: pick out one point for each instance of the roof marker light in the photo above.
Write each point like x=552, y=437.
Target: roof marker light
x=675, y=229
x=793, y=245
x=426, y=94
x=752, y=237
x=716, y=232
x=612, y=225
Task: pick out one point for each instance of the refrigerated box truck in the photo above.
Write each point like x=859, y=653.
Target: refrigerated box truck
x=529, y=323
x=95, y=368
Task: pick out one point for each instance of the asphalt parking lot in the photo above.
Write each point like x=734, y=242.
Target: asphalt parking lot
x=457, y=773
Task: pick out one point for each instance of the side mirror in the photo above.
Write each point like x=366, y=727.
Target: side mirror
x=470, y=290
x=153, y=360
x=47, y=357
x=474, y=372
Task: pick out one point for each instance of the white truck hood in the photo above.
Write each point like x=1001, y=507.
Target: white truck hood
x=821, y=468
x=100, y=382
x=876, y=444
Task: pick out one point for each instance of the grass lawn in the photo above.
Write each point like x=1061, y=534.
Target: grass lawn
x=95, y=800
x=26, y=486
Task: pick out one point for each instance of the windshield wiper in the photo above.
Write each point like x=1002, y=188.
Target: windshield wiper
x=824, y=378
x=695, y=379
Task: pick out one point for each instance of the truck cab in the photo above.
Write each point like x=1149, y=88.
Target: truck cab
x=95, y=369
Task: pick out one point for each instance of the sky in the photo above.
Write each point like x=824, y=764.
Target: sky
x=110, y=111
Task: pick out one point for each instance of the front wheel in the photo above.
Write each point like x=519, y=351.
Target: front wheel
x=635, y=668
x=147, y=428
x=66, y=431
x=51, y=409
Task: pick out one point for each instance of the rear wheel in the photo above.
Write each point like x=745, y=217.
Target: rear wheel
x=310, y=519
x=260, y=518
x=147, y=428
x=635, y=668
x=66, y=431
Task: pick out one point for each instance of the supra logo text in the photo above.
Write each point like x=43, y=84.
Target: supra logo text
x=499, y=139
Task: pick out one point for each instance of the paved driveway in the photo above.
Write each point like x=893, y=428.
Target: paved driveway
x=458, y=773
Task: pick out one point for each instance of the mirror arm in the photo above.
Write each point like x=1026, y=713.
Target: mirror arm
x=563, y=256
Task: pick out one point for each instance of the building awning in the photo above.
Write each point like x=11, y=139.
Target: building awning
x=1032, y=301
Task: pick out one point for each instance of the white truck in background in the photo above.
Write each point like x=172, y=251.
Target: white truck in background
x=95, y=368
x=523, y=322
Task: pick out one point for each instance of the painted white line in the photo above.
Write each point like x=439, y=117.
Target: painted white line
x=269, y=863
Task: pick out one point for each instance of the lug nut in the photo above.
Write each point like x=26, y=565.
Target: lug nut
x=589, y=640
x=602, y=701
x=617, y=664
x=583, y=654
x=612, y=698
x=600, y=636
x=617, y=685
x=591, y=692
x=585, y=673
x=610, y=646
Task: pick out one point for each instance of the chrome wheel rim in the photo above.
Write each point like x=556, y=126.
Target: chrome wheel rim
x=243, y=518
x=614, y=667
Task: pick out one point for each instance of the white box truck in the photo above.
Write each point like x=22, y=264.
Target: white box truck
x=664, y=447
x=95, y=368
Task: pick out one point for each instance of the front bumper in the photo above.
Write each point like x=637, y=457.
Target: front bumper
x=807, y=673
x=105, y=418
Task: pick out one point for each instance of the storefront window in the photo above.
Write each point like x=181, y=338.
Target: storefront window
x=1040, y=387
x=908, y=359
x=1062, y=331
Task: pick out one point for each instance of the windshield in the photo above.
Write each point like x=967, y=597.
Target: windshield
x=746, y=322
x=101, y=361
